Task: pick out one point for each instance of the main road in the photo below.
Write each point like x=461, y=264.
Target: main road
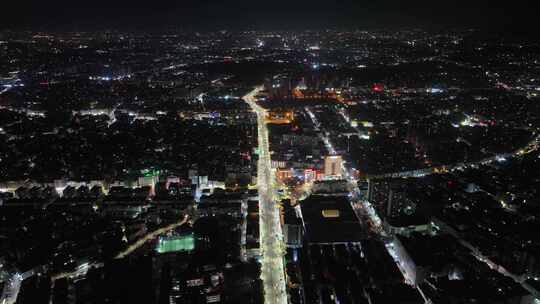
x=271, y=235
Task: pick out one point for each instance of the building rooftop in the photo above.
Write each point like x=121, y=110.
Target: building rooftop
x=330, y=220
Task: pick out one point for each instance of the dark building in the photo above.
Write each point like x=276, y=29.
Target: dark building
x=330, y=220
x=292, y=225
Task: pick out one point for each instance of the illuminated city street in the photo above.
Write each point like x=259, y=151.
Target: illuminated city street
x=270, y=233
x=11, y=289
x=150, y=236
x=13, y=285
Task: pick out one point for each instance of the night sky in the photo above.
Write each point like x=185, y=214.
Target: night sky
x=278, y=14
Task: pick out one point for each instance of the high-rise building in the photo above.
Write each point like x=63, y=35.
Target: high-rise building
x=148, y=181
x=332, y=166
x=280, y=117
x=310, y=175
x=389, y=198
